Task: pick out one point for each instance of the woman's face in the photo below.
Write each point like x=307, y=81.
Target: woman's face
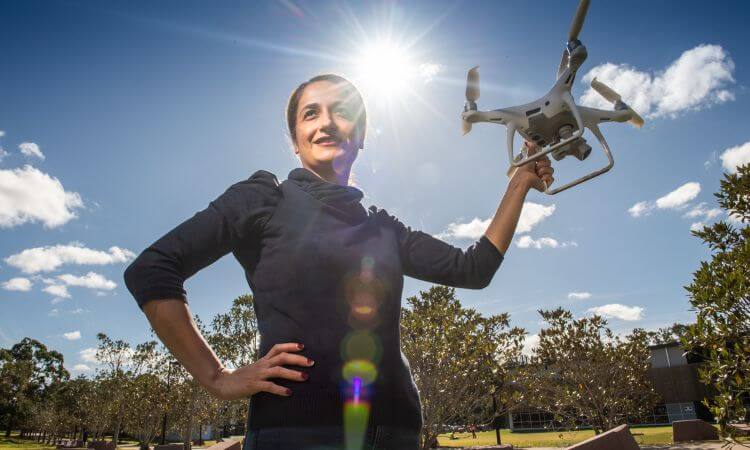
x=326, y=134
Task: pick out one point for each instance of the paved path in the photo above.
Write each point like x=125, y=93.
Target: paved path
x=691, y=446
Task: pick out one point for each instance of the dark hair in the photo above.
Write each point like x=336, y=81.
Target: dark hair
x=293, y=103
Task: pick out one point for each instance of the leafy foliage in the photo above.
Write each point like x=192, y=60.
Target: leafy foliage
x=458, y=358
x=720, y=294
x=584, y=374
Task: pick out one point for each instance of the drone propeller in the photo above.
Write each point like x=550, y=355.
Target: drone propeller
x=472, y=95
x=472, y=84
x=609, y=94
x=578, y=19
x=575, y=29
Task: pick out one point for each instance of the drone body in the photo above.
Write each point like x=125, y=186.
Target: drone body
x=554, y=122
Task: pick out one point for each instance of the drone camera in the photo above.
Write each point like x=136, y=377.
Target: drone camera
x=578, y=148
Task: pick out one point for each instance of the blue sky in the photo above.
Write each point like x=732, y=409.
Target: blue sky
x=121, y=120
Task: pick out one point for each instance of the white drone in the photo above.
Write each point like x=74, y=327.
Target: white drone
x=554, y=122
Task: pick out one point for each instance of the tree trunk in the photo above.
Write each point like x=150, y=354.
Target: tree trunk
x=120, y=414
x=10, y=426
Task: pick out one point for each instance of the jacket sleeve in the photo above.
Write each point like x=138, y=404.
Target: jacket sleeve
x=430, y=259
x=235, y=216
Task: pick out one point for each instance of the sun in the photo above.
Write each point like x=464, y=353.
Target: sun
x=385, y=68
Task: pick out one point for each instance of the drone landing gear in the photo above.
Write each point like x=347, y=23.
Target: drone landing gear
x=575, y=146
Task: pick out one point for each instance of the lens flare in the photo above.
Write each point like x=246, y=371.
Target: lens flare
x=361, y=344
x=362, y=370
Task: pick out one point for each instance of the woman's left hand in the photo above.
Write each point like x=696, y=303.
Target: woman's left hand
x=538, y=175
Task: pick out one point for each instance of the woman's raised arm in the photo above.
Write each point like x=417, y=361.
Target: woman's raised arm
x=430, y=259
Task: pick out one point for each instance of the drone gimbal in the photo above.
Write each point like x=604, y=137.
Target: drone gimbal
x=554, y=122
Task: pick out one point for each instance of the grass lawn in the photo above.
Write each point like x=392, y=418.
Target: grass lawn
x=15, y=443
x=651, y=436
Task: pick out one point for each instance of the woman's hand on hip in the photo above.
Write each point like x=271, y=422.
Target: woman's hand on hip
x=248, y=380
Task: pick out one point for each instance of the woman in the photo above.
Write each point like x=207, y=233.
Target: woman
x=327, y=278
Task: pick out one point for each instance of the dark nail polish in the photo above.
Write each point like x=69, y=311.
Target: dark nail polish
x=310, y=361
x=300, y=346
x=288, y=392
x=305, y=376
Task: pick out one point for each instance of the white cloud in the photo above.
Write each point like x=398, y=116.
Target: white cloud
x=530, y=342
x=88, y=355
x=79, y=311
x=46, y=259
x=677, y=199
x=18, y=284
x=579, y=295
x=697, y=226
x=58, y=290
x=531, y=215
x=3, y=153
x=618, y=311
x=2, y=133
x=428, y=71
x=641, y=209
x=81, y=368
x=697, y=79
x=29, y=195
x=680, y=196
x=91, y=280
x=527, y=241
x=72, y=336
x=471, y=230
x=54, y=312
x=734, y=157
x=700, y=210
x=31, y=149
x=735, y=219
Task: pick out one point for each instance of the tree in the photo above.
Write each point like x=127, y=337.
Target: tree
x=583, y=374
x=28, y=370
x=667, y=335
x=235, y=338
x=235, y=334
x=720, y=294
x=457, y=357
x=145, y=392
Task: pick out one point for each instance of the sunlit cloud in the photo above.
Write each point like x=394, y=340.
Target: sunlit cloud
x=47, y=259
x=72, y=336
x=699, y=78
x=677, y=199
x=734, y=157
x=29, y=195
x=618, y=311
x=579, y=295
x=697, y=226
x=58, y=290
x=18, y=284
x=527, y=241
x=31, y=149
x=91, y=280
x=88, y=355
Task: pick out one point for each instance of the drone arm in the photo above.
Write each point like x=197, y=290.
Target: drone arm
x=611, y=162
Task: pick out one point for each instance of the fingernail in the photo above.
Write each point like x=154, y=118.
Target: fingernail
x=288, y=392
x=300, y=346
x=305, y=376
x=310, y=361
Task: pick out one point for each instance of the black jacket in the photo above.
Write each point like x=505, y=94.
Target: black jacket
x=326, y=272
